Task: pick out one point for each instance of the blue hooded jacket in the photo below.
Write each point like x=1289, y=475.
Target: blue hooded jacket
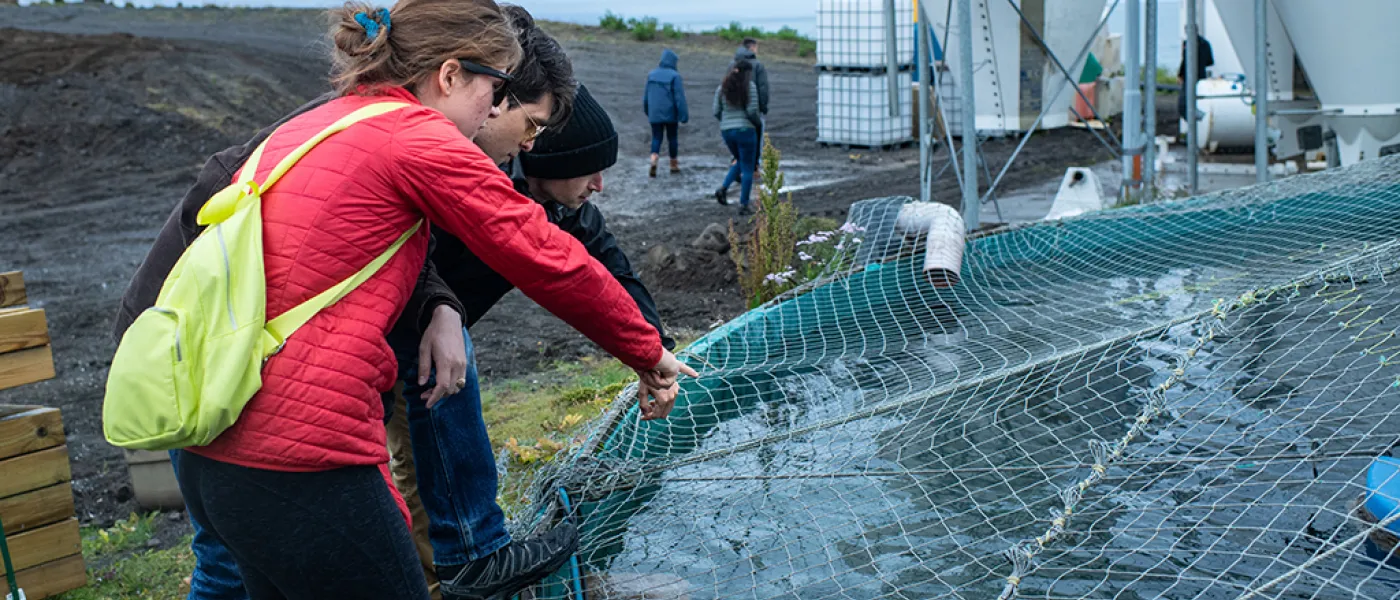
x=664, y=98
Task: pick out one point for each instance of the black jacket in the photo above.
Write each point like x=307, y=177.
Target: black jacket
x=454, y=275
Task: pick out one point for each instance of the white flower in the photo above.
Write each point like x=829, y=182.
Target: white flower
x=855, y=240
x=840, y=246
x=804, y=256
x=851, y=228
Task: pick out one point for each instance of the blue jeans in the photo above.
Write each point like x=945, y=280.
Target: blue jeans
x=671, y=131
x=743, y=145
x=455, y=465
x=216, y=575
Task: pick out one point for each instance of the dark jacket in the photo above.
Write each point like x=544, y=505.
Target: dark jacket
x=1204, y=58
x=760, y=76
x=479, y=288
x=664, y=97
x=180, y=230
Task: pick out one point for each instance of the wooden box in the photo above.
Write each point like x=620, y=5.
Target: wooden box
x=25, y=356
x=36, y=496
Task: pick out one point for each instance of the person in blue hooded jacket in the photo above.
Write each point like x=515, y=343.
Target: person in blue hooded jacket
x=664, y=103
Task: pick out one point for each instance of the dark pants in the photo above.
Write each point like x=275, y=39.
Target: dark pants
x=671, y=131
x=325, y=534
x=215, y=574
x=743, y=146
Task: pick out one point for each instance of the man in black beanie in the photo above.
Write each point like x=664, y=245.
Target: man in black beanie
x=563, y=167
x=562, y=170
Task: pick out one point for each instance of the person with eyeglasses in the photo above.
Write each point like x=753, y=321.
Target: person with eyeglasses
x=295, y=491
x=450, y=464
x=441, y=456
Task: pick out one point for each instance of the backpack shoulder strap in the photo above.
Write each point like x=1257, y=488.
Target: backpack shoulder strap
x=282, y=327
x=226, y=202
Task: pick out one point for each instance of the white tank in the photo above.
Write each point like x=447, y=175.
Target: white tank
x=851, y=33
x=1348, y=48
x=1227, y=118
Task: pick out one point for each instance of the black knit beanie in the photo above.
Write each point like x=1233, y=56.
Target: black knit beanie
x=585, y=145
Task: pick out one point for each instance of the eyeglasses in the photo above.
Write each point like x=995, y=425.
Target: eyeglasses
x=503, y=79
x=538, y=129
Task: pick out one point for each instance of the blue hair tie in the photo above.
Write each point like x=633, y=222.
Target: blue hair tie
x=371, y=26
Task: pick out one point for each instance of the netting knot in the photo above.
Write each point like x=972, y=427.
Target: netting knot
x=1100, y=469
x=1013, y=580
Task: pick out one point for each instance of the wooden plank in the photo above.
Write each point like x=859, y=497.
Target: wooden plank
x=25, y=429
x=26, y=366
x=35, y=470
x=38, y=546
x=35, y=509
x=23, y=329
x=49, y=579
x=12, y=289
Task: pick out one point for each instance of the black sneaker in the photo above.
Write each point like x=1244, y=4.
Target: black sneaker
x=722, y=196
x=744, y=211
x=511, y=569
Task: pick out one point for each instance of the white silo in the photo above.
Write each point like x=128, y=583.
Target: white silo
x=1014, y=78
x=1346, y=47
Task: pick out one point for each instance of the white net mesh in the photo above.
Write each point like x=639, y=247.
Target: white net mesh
x=1176, y=400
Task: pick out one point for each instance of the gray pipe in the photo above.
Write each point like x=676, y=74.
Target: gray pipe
x=1132, y=97
x=1192, y=35
x=971, y=207
x=892, y=57
x=1149, y=154
x=1261, y=91
x=926, y=116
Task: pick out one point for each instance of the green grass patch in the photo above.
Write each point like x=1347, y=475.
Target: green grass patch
x=120, y=568
x=127, y=534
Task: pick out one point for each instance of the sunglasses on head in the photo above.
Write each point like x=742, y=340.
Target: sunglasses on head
x=503, y=79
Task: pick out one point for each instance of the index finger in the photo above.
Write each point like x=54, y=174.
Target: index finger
x=686, y=370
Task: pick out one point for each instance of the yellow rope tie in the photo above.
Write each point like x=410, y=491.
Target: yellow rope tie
x=1099, y=468
x=1013, y=580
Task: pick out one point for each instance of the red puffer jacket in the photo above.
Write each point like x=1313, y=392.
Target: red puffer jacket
x=342, y=205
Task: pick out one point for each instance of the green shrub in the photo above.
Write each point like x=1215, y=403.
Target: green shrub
x=736, y=32
x=670, y=32
x=789, y=34
x=764, y=260
x=612, y=22
x=643, y=29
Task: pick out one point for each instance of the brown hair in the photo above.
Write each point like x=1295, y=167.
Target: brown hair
x=413, y=42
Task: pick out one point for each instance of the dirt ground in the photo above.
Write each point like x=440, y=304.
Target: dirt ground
x=107, y=113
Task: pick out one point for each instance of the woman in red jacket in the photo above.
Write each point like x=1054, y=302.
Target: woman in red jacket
x=296, y=488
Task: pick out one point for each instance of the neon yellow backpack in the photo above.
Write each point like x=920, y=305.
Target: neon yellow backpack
x=187, y=366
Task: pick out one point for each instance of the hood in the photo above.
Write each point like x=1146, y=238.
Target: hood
x=669, y=59
x=744, y=54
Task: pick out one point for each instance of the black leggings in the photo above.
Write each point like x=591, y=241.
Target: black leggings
x=327, y=534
